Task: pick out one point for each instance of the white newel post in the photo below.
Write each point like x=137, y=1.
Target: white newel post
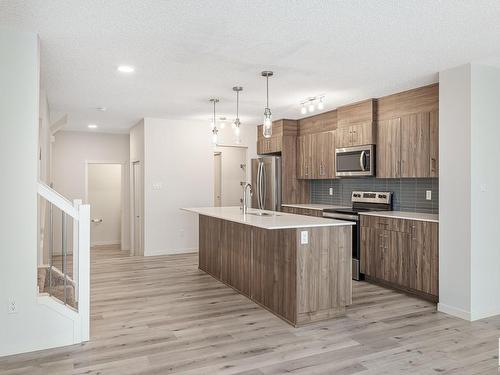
x=84, y=270
x=76, y=253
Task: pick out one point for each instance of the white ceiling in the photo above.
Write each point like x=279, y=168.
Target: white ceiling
x=186, y=51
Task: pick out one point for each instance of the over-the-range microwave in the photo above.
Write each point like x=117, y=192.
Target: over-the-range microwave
x=355, y=161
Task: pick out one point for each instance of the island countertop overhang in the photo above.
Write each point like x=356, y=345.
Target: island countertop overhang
x=275, y=220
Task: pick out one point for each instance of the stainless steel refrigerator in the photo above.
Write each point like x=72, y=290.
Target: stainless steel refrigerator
x=266, y=183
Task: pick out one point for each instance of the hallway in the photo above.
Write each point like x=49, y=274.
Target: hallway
x=159, y=315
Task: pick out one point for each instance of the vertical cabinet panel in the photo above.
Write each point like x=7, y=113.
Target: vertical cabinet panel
x=209, y=245
x=235, y=248
x=424, y=257
x=434, y=144
x=415, y=145
x=389, y=148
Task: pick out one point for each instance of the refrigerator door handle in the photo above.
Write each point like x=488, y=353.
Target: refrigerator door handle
x=264, y=186
x=259, y=185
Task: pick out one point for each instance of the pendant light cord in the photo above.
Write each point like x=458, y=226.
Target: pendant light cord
x=237, y=104
x=267, y=91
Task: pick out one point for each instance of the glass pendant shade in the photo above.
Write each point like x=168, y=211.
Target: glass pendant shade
x=267, y=128
x=215, y=136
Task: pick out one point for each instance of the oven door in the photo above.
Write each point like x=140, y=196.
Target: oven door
x=355, y=161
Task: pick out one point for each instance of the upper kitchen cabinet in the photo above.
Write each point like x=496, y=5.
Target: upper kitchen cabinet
x=356, y=124
x=316, y=155
x=407, y=134
x=274, y=144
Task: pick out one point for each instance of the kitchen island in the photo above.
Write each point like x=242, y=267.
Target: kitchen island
x=298, y=267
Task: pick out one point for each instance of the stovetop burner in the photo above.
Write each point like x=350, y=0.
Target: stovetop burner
x=366, y=201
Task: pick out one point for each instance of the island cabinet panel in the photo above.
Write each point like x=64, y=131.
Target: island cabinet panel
x=323, y=273
x=273, y=271
x=235, y=249
x=208, y=248
x=300, y=283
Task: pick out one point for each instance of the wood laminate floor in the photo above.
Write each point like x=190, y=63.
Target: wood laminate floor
x=161, y=315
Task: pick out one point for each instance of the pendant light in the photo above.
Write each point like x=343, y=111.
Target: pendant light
x=215, y=131
x=267, y=128
x=237, y=122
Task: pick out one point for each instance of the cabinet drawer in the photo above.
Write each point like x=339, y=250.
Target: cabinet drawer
x=387, y=223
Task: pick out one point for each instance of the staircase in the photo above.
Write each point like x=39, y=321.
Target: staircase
x=51, y=281
x=63, y=274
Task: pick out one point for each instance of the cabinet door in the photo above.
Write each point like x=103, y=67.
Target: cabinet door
x=389, y=148
x=304, y=156
x=434, y=144
x=424, y=257
x=415, y=145
x=344, y=136
x=399, y=258
x=329, y=155
x=361, y=134
x=383, y=256
x=369, y=249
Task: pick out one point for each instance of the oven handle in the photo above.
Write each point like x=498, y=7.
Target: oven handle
x=362, y=160
x=339, y=216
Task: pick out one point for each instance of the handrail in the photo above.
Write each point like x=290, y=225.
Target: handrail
x=58, y=200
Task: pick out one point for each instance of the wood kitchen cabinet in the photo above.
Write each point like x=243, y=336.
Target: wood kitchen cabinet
x=269, y=145
x=356, y=135
x=407, y=146
x=401, y=253
x=316, y=156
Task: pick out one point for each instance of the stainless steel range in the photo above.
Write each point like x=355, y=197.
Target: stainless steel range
x=362, y=201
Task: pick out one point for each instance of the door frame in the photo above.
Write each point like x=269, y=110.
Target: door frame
x=123, y=219
x=135, y=251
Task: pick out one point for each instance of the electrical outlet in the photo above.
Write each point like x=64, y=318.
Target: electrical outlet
x=12, y=307
x=428, y=195
x=330, y=191
x=304, y=237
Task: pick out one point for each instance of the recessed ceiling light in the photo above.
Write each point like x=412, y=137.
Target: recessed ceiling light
x=102, y=109
x=126, y=69
x=92, y=126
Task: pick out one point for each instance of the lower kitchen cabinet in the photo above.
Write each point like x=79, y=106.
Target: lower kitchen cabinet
x=401, y=253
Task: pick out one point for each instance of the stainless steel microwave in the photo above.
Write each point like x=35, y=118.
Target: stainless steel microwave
x=355, y=161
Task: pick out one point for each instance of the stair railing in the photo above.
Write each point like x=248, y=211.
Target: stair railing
x=76, y=276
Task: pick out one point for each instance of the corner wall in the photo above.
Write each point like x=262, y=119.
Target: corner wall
x=469, y=251
x=35, y=326
x=178, y=172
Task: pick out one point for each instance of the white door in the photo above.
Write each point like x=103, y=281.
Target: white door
x=104, y=183
x=217, y=179
x=137, y=208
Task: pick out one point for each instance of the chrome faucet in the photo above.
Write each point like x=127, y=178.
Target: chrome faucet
x=245, y=203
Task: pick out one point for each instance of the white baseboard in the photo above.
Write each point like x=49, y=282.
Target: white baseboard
x=103, y=243
x=170, y=252
x=454, y=311
x=484, y=314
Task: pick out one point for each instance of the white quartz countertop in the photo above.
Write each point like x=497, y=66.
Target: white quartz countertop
x=404, y=215
x=276, y=220
x=313, y=206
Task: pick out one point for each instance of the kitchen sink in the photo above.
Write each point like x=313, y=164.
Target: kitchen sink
x=262, y=214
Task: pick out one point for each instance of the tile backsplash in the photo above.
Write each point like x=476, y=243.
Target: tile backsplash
x=409, y=194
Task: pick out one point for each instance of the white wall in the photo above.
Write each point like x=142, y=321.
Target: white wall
x=73, y=149
x=485, y=187
x=179, y=158
x=136, y=155
x=454, y=191
x=34, y=326
x=105, y=198
x=232, y=174
x=469, y=251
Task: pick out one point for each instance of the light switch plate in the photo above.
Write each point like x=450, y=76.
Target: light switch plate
x=304, y=237
x=12, y=307
x=330, y=191
x=428, y=195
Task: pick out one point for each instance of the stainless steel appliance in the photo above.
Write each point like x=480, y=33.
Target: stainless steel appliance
x=362, y=201
x=355, y=161
x=266, y=183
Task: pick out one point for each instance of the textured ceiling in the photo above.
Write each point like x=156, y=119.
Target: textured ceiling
x=186, y=51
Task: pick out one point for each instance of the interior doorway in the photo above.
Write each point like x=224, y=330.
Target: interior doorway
x=229, y=175
x=137, y=209
x=104, y=194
